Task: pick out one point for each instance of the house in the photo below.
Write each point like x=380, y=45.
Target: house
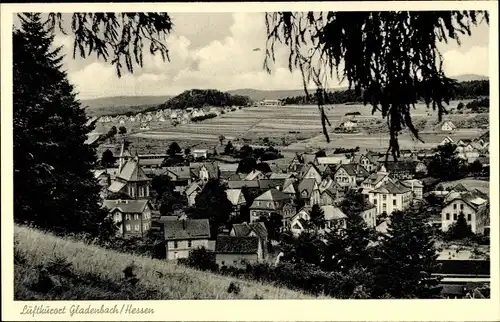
x=290, y=189
x=121, y=119
x=180, y=176
x=270, y=103
x=308, y=190
x=204, y=171
x=311, y=171
x=255, y=175
x=145, y=126
x=200, y=153
x=256, y=229
x=133, y=217
x=390, y=197
x=447, y=126
x=329, y=191
x=468, y=153
x=349, y=175
x=375, y=180
x=237, y=251
x=271, y=202
x=349, y=124
x=334, y=217
x=416, y=187
x=335, y=159
x=237, y=200
x=298, y=222
x=131, y=180
x=446, y=140
x=238, y=184
x=191, y=192
x=401, y=169
x=181, y=236
x=368, y=163
x=369, y=215
x=226, y=170
x=197, y=113
x=92, y=138
x=420, y=168
x=473, y=204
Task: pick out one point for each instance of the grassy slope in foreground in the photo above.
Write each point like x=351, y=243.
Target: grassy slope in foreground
x=97, y=273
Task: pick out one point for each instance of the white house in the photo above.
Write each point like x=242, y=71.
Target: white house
x=446, y=140
x=468, y=153
x=416, y=187
x=349, y=124
x=270, y=103
x=145, y=126
x=448, y=126
x=200, y=153
x=375, y=180
x=334, y=159
x=473, y=205
x=390, y=197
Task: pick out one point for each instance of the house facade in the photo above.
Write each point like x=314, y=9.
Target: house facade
x=309, y=191
x=448, y=126
x=191, y=192
x=474, y=205
x=256, y=229
x=131, y=180
x=390, y=197
x=181, y=236
x=348, y=175
x=271, y=202
x=369, y=215
x=235, y=196
x=416, y=187
x=133, y=217
x=237, y=251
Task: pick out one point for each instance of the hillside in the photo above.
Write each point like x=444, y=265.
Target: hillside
x=96, y=274
x=258, y=95
x=469, y=77
x=124, y=101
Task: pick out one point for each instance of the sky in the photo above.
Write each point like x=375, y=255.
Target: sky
x=215, y=50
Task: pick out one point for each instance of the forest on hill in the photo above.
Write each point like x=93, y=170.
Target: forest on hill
x=463, y=90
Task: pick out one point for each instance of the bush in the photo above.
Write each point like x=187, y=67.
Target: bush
x=200, y=258
x=203, y=117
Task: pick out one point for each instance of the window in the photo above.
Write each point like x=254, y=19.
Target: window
x=454, y=216
x=394, y=195
x=469, y=217
x=384, y=197
x=136, y=227
x=145, y=226
x=455, y=206
x=447, y=216
x=136, y=217
x=462, y=207
x=127, y=217
x=189, y=244
x=394, y=202
x=375, y=201
x=176, y=245
x=384, y=207
x=127, y=227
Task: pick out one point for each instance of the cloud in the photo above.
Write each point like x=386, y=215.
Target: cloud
x=227, y=61
x=473, y=61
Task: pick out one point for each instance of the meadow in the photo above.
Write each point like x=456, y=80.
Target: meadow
x=88, y=272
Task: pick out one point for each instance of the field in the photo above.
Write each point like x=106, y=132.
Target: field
x=96, y=273
x=298, y=128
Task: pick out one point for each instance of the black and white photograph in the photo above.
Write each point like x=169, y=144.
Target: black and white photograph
x=260, y=155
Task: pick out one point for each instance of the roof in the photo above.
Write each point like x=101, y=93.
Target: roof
x=353, y=169
x=228, y=167
x=289, y=187
x=459, y=188
x=307, y=184
x=167, y=218
x=412, y=183
x=253, y=175
x=92, y=138
x=116, y=186
x=126, y=206
x=192, y=188
x=400, y=165
x=305, y=169
x=332, y=213
x=150, y=162
x=375, y=178
x=242, y=230
x=334, y=159
x=236, y=245
x=181, y=173
x=187, y=229
x=280, y=176
x=212, y=168
x=233, y=184
x=233, y=195
x=98, y=173
x=393, y=188
x=475, y=198
x=131, y=171
x=309, y=158
x=273, y=194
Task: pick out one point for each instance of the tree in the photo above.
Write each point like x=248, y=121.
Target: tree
x=112, y=133
x=161, y=184
x=407, y=257
x=460, y=229
x=377, y=55
x=202, y=259
x=446, y=165
x=321, y=153
x=476, y=167
x=174, y=149
x=317, y=217
x=263, y=167
x=274, y=223
x=212, y=203
x=53, y=185
x=246, y=151
x=221, y=139
x=187, y=152
x=460, y=106
x=107, y=159
x=228, y=149
x=246, y=165
x=122, y=130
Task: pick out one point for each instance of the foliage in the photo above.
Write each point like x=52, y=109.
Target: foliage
x=202, y=259
x=54, y=188
x=246, y=165
x=273, y=224
x=479, y=105
x=460, y=106
x=459, y=229
x=203, y=117
x=476, y=167
x=221, y=139
x=174, y=149
x=122, y=130
x=446, y=165
x=320, y=153
x=228, y=149
x=212, y=203
x=407, y=257
x=317, y=217
x=160, y=184
x=107, y=159
x=198, y=98
x=377, y=53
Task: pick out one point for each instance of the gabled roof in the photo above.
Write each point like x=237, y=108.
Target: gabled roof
x=116, y=186
x=375, y=178
x=305, y=169
x=131, y=171
x=187, y=229
x=307, y=184
x=332, y=213
x=336, y=159
x=412, y=183
x=272, y=194
x=281, y=176
x=392, y=188
x=309, y=158
x=242, y=183
x=289, y=188
x=234, y=195
x=353, y=169
x=132, y=206
x=236, y=245
x=253, y=175
x=192, y=188
x=475, y=198
x=180, y=173
x=212, y=168
x=244, y=229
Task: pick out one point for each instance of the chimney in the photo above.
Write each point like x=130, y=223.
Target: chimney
x=183, y=224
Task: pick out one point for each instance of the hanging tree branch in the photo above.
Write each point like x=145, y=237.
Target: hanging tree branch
x=391, y=58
